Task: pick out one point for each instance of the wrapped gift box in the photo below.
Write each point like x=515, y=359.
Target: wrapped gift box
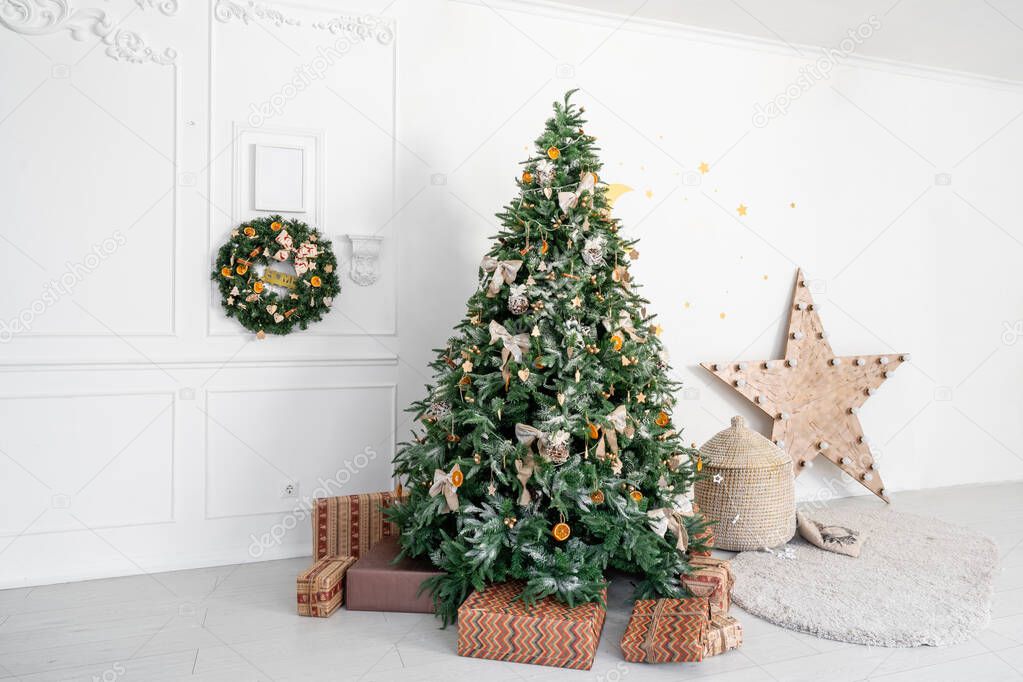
x=705, y=537
x=494, y=624
x=320, y=587
x=724, y=633
x=376, y=583
x=351, y=524
x=711, y=578
x=667, y=631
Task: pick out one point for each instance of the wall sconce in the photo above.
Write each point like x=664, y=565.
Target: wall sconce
x=365, y=268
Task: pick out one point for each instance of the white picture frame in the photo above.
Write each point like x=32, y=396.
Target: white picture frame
x=279, y=178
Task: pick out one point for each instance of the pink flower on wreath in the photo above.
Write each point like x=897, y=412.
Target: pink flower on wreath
x=307, y=250
x=284, y=239
x=281, y=255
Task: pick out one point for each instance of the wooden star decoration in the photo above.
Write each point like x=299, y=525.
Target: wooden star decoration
x=813, y=395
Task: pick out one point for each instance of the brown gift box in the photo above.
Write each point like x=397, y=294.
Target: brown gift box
x=711, y=578
x=350, y=524
x=319, y=587
x=667, y=631
x=725, y=633
x=377, y=584
x=495, y=624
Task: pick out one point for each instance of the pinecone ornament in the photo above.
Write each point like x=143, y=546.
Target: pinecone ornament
x=437, y=411
x=593, y=251
x=518, y=303
x=557, y=447
x=545, y=172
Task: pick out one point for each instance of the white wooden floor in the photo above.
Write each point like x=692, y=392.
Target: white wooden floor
x=238, y=623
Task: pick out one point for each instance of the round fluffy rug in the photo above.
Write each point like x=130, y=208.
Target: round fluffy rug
x=917, y=581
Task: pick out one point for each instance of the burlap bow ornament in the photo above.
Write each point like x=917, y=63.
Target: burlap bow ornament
x=527, y=435
x=624, y=325
x=619, y=420
x=664, y=519
x=505, y=272
x=512, y=346
x=567, y=200
x=447, y=484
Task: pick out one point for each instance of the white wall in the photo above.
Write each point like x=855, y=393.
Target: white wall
x=141, y=431
x=906, y=264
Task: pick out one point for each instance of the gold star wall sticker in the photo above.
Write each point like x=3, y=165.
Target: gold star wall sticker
x=741, y=210
x=813, y=395
x=704, y=168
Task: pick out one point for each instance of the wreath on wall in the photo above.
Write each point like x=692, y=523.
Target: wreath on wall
x=276, y=274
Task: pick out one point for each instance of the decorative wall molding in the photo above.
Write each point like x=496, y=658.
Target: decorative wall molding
x=205, y=364
x=230, y=11
x=365, y=266
x=166, y=7
x=40, y=17
x=358, y=27
x=128, y=46
x=43, y=17
x=390, y=447
x=247, y=12
x=171, y=439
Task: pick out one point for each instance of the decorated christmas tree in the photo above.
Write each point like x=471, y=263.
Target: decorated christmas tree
x=549, y=453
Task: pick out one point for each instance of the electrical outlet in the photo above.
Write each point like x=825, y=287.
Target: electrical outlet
x=289, y=489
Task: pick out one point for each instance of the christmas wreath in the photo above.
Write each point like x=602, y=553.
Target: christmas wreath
x=276, y=274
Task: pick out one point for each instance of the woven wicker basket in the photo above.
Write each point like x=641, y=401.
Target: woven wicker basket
x=748, y=489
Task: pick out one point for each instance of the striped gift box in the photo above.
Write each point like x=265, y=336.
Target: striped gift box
x=350, y=524
x=320, y=588
x=711, y=578
x=724, y=633
x=493, y=624
x=667, y=631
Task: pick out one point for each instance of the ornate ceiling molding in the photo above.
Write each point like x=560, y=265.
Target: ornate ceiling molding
x=43, y=17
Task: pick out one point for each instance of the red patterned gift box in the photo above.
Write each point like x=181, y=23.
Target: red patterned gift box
x=350, y=524
x=494, y=624
x=712, y=579
x=320, y=589
x=725, y=633
x=667, y=631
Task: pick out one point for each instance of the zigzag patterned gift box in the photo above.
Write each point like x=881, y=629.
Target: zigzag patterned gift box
x=667, y=631
x=320, y=588
x=494, y=624
x=349, y=525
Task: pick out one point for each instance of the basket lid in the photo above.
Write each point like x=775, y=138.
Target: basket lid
x=738, y=447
